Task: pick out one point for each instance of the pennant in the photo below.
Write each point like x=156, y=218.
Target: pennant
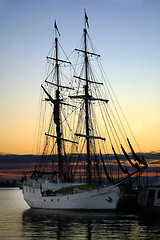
x=86, y=17
x=55, y=26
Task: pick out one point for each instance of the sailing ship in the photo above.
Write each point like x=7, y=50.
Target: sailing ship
x=77, y=169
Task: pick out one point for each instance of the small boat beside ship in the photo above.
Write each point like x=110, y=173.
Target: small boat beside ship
x=77, y=169
x=149, y=200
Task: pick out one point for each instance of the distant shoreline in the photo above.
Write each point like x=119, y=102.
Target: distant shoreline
x=10, y=188
x=10, y=185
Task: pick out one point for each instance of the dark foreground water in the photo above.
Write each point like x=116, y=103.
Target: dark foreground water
x=17, y=221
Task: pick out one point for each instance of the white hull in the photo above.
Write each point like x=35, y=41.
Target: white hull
x=106, y=198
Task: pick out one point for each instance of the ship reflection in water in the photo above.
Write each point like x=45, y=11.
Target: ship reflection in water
x=54, y=224
x=16, y=222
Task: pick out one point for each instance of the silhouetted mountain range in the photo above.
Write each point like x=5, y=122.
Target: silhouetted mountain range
x=12, y=166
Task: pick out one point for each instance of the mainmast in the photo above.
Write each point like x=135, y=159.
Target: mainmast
x=87, y=103
x=57, y=105
x=57, y=102
x=58, y=116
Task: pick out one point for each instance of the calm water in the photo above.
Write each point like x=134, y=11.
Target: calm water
x=17, y=221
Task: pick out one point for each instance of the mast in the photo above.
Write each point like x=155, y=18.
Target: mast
x=87, y=100
x=58, y=117
x=87, y=103
x=57, y=102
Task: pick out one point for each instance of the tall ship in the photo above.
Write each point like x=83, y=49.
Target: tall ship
x=85, y=154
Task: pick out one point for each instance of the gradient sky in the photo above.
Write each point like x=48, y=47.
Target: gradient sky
x=126, y=34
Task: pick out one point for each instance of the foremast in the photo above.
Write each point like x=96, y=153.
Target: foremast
x=87, y=97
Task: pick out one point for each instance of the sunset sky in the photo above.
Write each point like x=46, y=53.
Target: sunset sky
x=126, y=34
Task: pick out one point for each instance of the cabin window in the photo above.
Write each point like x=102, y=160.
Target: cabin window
x=152, y=193
x=44, y=200
x=52, y=200
x=158, y=195
x=57, y=199
x=151, y=197
x=33, y=190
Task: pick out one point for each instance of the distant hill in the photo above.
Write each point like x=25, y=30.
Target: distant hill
x=12, y=166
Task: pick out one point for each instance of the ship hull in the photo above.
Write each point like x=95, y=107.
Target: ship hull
x=106, y=198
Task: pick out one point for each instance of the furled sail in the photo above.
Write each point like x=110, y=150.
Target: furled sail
x=127, y=157
x=119, y=163
x=136, y=158
x=105, y=170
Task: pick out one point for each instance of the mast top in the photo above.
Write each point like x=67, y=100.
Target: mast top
x=85, y=20
x=56, y=29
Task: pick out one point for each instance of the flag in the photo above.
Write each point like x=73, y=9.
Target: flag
x=86, y=17
x=55, y=26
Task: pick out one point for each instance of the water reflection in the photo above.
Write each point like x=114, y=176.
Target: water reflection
x=51, y=224
x=18, y=223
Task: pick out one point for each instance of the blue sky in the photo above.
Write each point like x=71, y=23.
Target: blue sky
x=126, y=34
